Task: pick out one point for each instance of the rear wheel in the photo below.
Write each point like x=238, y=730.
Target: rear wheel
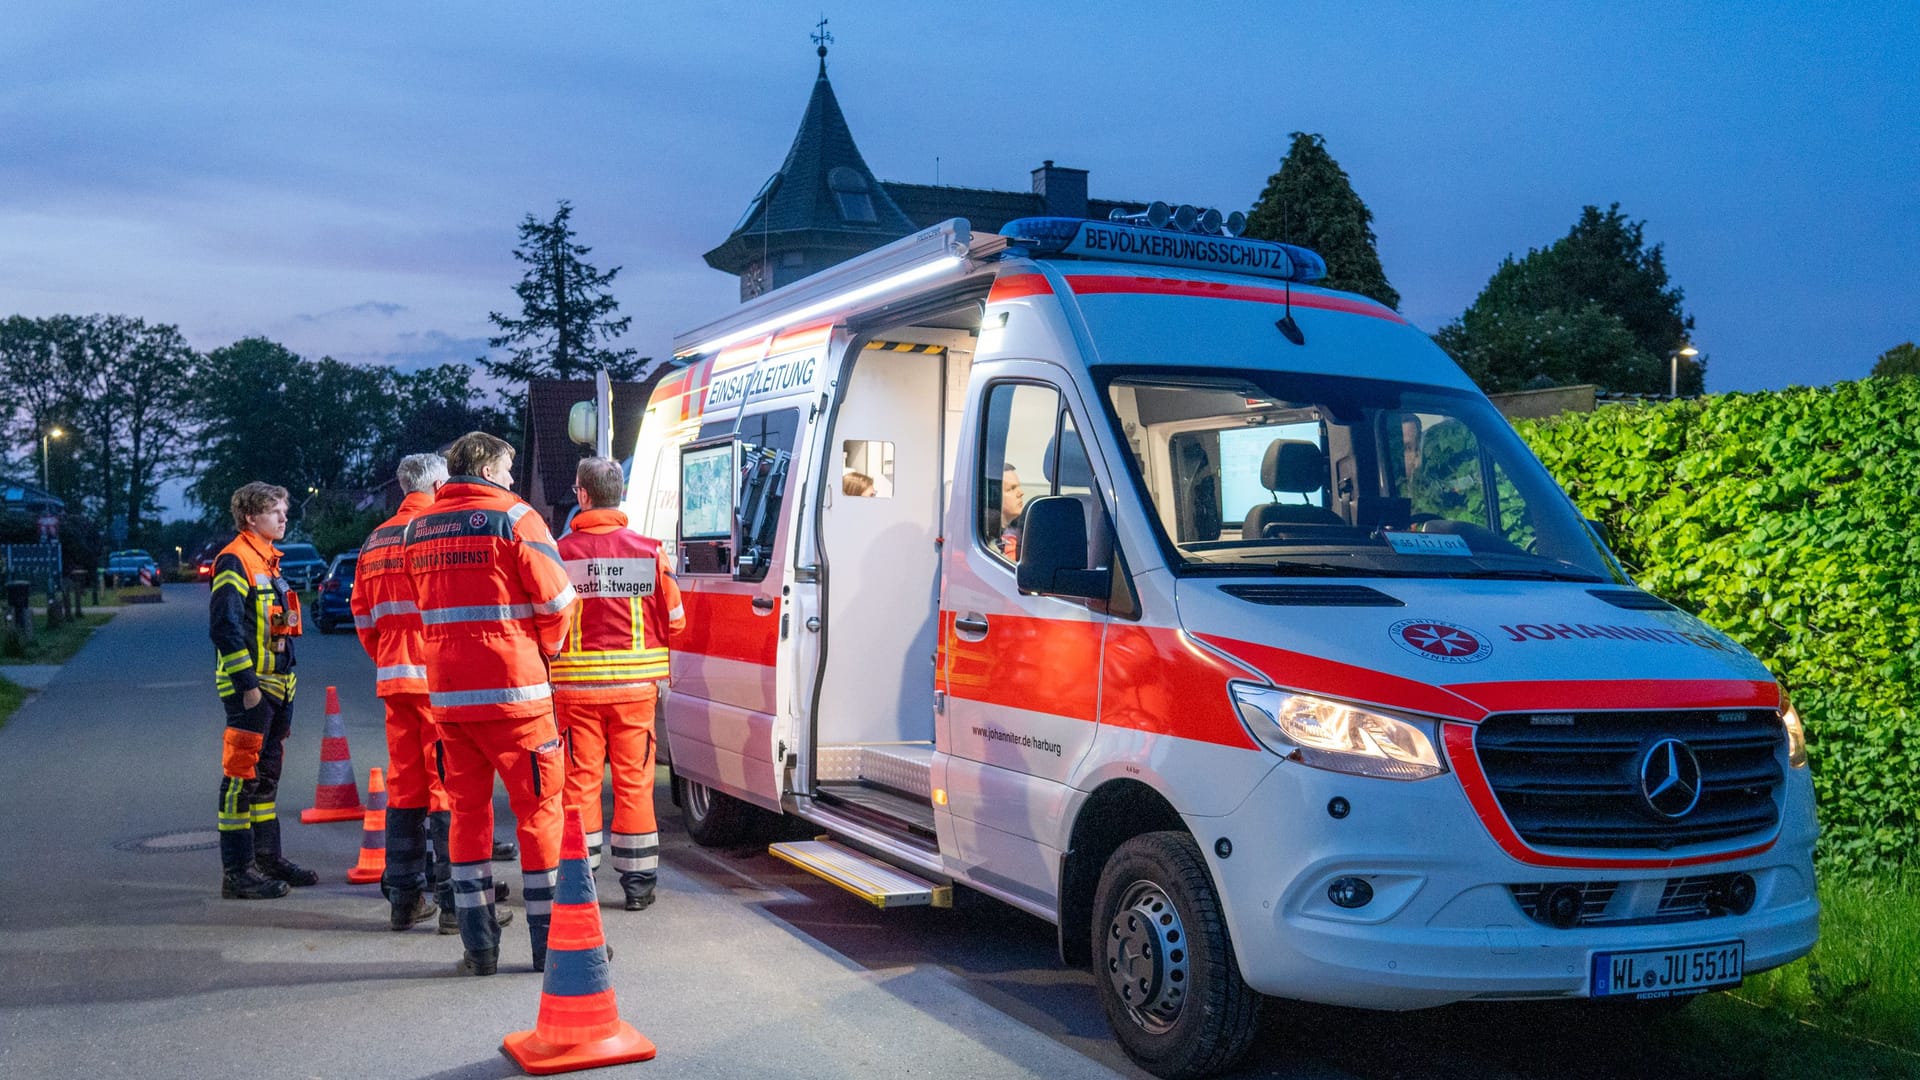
x=1163, y=964
x=714, y=819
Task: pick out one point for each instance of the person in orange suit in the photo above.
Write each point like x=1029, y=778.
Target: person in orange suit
x=388, y=622
x=494, y=606
x=605, y=682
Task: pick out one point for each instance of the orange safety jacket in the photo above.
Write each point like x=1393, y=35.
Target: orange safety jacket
x=384, y=613
x=494, y=602
x=617, y=646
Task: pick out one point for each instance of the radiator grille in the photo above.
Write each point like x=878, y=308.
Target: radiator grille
x=1574, y=779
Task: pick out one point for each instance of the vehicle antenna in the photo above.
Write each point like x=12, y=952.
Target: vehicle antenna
x=1290, y=329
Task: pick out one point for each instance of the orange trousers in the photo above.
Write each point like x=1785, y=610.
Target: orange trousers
x=526, y=755
x=617, y=731
x=413, y=755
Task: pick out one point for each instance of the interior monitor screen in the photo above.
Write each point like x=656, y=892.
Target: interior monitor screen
x=706, y=493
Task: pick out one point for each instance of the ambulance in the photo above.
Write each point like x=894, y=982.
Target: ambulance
x=1112, y=570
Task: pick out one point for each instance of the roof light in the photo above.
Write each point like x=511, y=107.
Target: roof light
x=1130, y=238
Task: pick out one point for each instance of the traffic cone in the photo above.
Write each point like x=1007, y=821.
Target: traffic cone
x=579, y=1025
x=373, y=834
x=335, y=795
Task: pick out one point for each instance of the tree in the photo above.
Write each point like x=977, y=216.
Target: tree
x=1595, y=306
x=567, y=315
x=1311, y=202
x=267, y=414
x=1903, y=359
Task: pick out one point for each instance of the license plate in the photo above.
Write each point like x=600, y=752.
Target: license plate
x=1657, y=973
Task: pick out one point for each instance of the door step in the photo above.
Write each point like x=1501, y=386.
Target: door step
x=878, y=883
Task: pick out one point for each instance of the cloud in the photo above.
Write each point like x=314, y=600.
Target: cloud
x=371, y=307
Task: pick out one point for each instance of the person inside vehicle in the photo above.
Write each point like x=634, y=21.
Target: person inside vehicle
x=856, y=483
x=1013, y=506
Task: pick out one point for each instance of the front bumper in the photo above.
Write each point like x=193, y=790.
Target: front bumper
x=1443, y=925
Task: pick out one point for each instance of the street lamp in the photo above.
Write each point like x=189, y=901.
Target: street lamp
x=1673, y=374
x=50, y=433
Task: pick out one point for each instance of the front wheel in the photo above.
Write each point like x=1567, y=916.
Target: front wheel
x=1163, y=964
x=713, y=819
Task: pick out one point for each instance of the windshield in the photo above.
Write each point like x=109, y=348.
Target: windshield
x=300, y=553
x=1277, y=472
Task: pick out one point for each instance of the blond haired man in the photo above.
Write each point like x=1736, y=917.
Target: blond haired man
x=253, y=617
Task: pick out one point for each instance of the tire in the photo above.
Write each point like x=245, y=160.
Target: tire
x=1163, y=964
x=713, y=819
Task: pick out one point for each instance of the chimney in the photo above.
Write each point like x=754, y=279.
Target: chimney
x=1063, y=192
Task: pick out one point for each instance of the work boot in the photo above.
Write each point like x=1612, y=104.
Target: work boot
x=485, y=962
x=280, y=868
x=450, y=920
x=247, y=885
x=505, y=851
x=410, y=909
x=639, y=889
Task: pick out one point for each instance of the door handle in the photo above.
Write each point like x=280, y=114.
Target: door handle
x=972, y=626
x=763, y=604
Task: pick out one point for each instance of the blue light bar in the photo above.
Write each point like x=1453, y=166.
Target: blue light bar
x=1077, y=237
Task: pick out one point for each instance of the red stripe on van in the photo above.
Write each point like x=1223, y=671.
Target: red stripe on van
x=725, y=626
x=1589, y=694
x=1097, y=284
x=1045, y=665
x=1314, y=675
x=1159, y=680
x=1015, y=286
x=1466, y=765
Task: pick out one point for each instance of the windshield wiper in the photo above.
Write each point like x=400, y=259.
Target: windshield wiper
x=1530, y=575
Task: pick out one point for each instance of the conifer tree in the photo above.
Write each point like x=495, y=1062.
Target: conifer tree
x=1311, y=202
x=567, y=319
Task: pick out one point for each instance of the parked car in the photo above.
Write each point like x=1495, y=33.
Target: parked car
x=203, y=558
x=334, y=606
x=301, y=565
x=123, y=567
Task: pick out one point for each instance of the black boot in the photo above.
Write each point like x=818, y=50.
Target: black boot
x=639, y=893
x=238, y=881
x=483, y=962
x=505, y=851
x=410, y=908
x=268, y=860
x=248, y=885
x=450, y=920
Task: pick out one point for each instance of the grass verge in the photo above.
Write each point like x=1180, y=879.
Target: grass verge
x=1863, y=979
x=11, y=698
x=52, y=646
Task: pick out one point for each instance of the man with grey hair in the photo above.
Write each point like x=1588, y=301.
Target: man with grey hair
x=390, y=629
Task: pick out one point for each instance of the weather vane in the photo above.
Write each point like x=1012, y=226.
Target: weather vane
x=822, y=36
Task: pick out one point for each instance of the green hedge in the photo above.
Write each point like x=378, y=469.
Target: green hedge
x=1790, y=520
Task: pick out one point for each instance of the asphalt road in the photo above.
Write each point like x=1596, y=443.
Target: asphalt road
x=118, y=959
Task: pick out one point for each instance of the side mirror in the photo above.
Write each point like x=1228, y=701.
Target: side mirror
x=1053, y=551
x=1600, y=530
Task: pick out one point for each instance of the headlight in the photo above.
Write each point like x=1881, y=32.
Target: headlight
x=1333, y=735
x=1796, y=732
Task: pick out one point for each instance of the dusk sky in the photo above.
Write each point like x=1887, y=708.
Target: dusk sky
x=347, y=178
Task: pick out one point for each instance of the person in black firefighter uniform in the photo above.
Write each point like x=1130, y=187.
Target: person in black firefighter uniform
x=254, y=617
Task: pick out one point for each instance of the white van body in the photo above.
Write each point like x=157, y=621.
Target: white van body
x=1407, y=759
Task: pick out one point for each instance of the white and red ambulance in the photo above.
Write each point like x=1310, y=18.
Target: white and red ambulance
x=1115, y=572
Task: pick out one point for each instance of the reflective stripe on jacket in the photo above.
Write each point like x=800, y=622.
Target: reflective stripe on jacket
x=494, y=602
x=246, y=585
x=617, y=646
x=384, y=613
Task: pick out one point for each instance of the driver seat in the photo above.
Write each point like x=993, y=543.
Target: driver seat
x=1298, y=467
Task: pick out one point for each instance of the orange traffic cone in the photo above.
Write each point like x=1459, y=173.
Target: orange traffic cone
x=335, y=795
x=579, y=1025
x=373, y=834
